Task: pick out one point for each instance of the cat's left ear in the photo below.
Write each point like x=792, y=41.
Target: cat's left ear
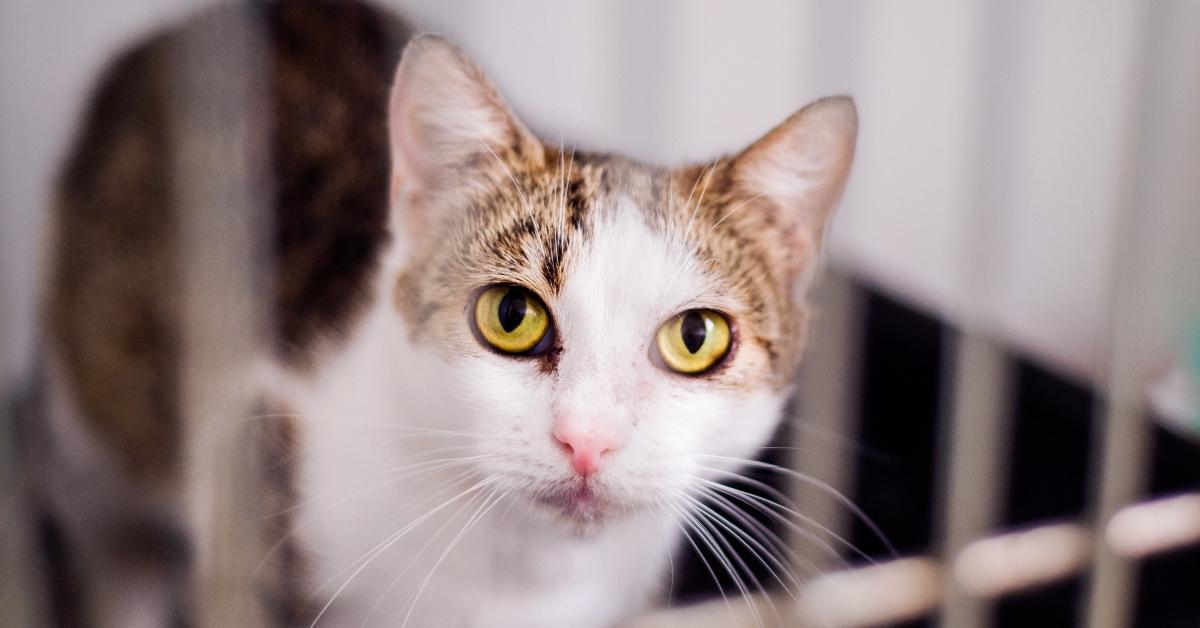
x=446, y=119
x=800, y=167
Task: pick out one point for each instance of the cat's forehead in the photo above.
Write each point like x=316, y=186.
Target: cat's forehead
x=535, y=217
x=584, y=217
x=627, y=276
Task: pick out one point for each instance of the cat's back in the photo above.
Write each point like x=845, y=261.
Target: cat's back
x=287, y=96
x=316, y=76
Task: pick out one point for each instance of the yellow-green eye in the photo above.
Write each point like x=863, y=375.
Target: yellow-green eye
x=694, y=341
x=511, y=319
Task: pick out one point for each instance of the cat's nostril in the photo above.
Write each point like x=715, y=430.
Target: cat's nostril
x=584, y=450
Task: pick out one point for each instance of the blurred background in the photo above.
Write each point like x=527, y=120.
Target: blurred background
x=1008, y=337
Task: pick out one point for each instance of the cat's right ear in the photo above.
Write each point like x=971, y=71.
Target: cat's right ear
x=445, y=118
x=800, y=168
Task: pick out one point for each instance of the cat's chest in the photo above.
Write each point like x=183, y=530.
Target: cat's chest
x=476, y=562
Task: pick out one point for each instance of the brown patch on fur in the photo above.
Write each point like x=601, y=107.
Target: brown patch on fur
x=113, y=308
x=333, y=65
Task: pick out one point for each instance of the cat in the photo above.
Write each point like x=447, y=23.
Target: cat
x=500, y=370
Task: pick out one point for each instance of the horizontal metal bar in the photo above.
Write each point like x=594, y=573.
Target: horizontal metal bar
x=1154, y=527
x=868, y=596
x=1002, y=564
x=995, y=566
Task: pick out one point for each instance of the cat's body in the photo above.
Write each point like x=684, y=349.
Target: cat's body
x=431, y=474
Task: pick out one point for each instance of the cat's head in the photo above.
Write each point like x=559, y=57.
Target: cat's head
x=607, y=331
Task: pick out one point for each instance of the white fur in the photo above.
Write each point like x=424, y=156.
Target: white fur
x=522, y=564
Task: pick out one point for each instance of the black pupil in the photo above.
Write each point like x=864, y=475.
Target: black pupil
x=694, y=331
x=512, y=309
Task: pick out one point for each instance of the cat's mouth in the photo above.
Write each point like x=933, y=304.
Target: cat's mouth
x=579, y=502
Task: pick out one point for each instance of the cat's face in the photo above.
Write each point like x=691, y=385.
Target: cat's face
x=608, y=333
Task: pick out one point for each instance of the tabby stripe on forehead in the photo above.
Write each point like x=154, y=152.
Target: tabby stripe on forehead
x=511, y=242
x=552, y=263
x=575, y=206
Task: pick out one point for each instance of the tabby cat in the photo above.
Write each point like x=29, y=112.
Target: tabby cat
x=498, y=371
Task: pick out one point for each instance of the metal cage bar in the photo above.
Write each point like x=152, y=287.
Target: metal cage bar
x=978, y=436
x=221, y=182
x=21, y=587
x=826, y=408
x=1154, y=279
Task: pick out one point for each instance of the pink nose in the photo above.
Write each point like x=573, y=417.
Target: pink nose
x=585, y=450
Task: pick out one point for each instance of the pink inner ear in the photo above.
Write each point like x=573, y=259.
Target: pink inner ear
x=443, y=108
x=395, y=188
x=801, y=166
x=405, y=185
x=402, y=131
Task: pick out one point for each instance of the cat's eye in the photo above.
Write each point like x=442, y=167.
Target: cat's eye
x=694, y=341
x=511, y=320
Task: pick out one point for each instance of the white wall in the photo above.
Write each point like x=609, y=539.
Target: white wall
x=50, y=53
x=994, y=146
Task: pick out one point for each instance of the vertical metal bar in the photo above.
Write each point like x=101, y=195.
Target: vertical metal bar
x=21, y=584
x=825, y=418
x=221, y=157
x=978, y=438
x=1122, y=472
x=1154, y=277
x=978, y=380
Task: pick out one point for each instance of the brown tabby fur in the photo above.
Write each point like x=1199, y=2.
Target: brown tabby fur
x=112, y=310
x=526, y=230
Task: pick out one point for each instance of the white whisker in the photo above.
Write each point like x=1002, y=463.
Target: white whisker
x=767, y=556
x=687, y=205
x=706, y=536
x=725, y=503
x=513, y=179
x=845, y=501
x=387, y=543
x=437, y=465
x=470, y=503
x=479, y=514
x=680, y=519
x=730, y=213
x=719, y=526
x=777, y=511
